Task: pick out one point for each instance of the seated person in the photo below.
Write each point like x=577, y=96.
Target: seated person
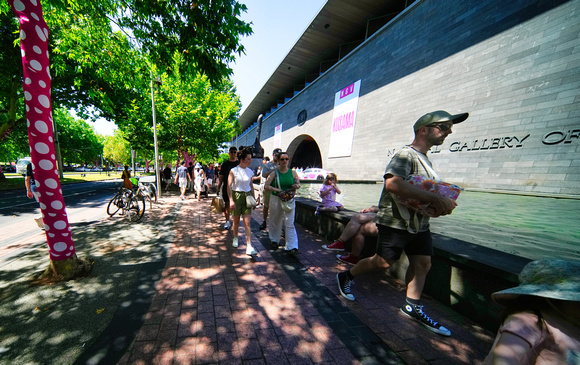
x=359, y=226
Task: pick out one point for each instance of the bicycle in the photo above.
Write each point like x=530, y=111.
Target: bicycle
x=131, y=204
x=147, y=189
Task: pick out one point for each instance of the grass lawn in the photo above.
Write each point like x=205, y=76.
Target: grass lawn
x=16, y=181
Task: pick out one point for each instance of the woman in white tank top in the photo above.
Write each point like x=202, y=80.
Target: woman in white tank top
x=239, y=186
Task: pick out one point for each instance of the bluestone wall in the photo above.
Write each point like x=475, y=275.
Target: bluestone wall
x=513, y=65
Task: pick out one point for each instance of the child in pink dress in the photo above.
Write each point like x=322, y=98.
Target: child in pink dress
x=328, y=193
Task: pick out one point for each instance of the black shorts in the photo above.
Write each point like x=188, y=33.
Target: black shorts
x=391, y=242
x=225, y=195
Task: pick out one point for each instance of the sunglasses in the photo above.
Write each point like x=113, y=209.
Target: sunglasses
x=442, y=127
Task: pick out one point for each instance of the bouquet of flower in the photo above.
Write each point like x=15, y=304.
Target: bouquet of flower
x=449, y=190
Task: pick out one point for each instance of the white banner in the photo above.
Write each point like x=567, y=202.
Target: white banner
x=278, y=136
x=344, y=120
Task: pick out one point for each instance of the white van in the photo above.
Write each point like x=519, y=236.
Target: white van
x=21, y=165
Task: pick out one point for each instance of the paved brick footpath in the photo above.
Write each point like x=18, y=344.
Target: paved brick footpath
x=215, y=305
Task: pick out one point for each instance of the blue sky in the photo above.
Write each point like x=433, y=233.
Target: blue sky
x=277, y=25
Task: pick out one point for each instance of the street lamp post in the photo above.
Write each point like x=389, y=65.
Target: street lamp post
x=157, y=177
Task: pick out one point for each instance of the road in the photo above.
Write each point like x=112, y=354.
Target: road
x=85, y=203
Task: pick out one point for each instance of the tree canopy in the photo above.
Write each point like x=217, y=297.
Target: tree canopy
x=102, y=53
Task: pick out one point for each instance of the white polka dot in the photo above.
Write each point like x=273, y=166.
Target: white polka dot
x=18, y=5
x=42, y=206
x=52, y=214
x=43, y=99
x=38, y=111
x=33, y=2
x=53, y=254
x=36, y=65
x=41, y=126
x=49, y=193
x=42, y=84
x=35, y=16
x=27, y=109
x=45, y=164
x=50, y=140
x=22, y=35
x=51, y=183
x=28, y=81
x=37, y=49
x=27, y=96
x=64, y=234
x=40, y=33
x=51, y=235
x=27, y=121
x=59, y=246
x=59, y=225
x=48, y=72
x=41, y=147
x=51, y=156
x=68, y=254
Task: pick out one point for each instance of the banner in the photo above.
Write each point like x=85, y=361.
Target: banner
x=343, y=121
x=278, y=136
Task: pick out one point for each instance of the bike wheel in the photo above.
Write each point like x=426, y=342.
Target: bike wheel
x=152, y=193
x=136, y=208
x=114, y=205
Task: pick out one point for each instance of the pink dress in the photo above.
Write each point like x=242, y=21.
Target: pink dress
x=329, y=200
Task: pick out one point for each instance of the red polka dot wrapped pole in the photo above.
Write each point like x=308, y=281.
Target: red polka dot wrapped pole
x=37, y=83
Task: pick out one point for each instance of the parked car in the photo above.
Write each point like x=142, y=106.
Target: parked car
x=21, y=165
x=8, y=168
x=313, y=173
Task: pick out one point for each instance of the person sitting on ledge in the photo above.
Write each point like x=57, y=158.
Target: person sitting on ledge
x=541, y=322
x=359, y=226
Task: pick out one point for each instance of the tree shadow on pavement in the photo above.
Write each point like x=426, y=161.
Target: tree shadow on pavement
x=56, y=323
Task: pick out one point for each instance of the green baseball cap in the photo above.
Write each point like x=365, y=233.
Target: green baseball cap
x=439, y=116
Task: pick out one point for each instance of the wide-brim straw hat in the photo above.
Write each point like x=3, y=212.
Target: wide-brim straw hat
x=547, y=278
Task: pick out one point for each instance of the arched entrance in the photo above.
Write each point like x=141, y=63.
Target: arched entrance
x=305, y=152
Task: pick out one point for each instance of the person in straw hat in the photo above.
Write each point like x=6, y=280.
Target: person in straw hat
x=541, y=323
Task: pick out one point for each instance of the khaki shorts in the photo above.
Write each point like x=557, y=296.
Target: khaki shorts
x=267, y=194
x=239, y=198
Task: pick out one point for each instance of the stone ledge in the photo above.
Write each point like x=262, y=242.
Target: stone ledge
x=463, y=275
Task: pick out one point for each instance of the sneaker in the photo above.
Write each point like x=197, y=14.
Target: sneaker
x=274, y=246
x=235, y=242
x=416, y=312
x=293, y=251
x=344, y=284
x=250, y=250
x=228, y=225
x=263, y=225
x=347, y=259
x=336, y=246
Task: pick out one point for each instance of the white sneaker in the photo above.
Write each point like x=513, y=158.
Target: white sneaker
x=228, y=225
x=250, y=250
x=235, y=242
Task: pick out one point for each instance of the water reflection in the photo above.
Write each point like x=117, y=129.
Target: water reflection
x=532, y=227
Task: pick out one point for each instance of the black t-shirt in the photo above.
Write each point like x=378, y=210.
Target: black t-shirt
x=167, y=173
x=225, y=170
x=29, y=173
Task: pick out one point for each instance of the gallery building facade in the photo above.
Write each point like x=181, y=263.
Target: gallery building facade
x=514, y=66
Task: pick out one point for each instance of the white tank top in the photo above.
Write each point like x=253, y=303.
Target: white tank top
x=242, y=179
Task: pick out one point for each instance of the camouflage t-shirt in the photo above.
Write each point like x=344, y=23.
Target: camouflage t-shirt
x=404, y=163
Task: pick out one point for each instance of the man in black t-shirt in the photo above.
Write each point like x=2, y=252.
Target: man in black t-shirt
x=223, y=182
x=31, y=191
